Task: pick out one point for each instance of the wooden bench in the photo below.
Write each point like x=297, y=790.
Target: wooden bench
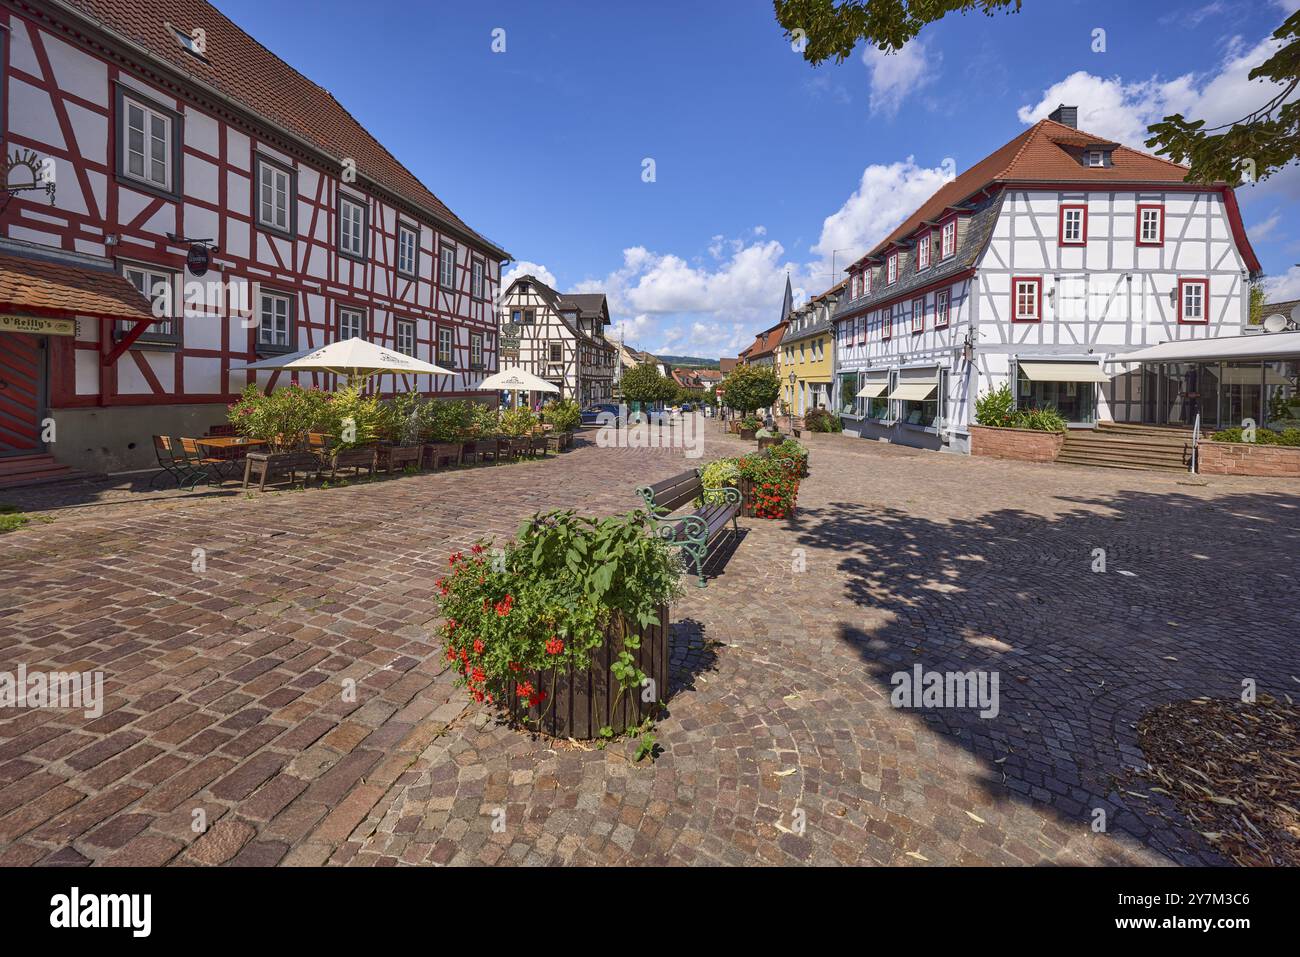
x=696, y=531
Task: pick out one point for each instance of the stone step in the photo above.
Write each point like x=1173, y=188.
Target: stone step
x=1102, y=463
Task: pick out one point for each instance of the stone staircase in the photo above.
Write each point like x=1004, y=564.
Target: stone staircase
x=35, y=469
x=1120, y=445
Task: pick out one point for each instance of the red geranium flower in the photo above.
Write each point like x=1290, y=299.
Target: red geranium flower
x=554, y=646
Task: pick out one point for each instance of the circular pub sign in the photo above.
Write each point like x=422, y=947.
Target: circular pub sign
x=198, y=259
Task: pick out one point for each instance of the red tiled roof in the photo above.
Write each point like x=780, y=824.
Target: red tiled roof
x=1039, y=154
x=43, y=287
x=248, y=73
x=726, y=365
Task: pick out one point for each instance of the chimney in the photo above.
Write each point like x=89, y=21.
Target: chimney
x=1066, y=116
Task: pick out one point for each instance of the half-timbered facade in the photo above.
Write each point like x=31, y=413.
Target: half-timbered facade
x=169, y=132
x=1041, y=266
x=561, y=338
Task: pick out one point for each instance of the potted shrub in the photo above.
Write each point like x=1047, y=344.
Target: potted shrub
x=769, y=485
x=793, y=454
x=444, y=426
x=282, y=421
x=566, y=631
x=357, y=420
x=403, y=420
x=1003, y=431
x=749, y=426
x=564, y=416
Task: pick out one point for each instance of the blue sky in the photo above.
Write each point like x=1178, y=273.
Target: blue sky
x=763, y=165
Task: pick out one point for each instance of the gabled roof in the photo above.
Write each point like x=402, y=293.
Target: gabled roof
x=589, y=305
x=240, y=70
x=1047, y=152
x=560, y=303
x=726, y=365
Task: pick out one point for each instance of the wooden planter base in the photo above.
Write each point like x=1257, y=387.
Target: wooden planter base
x=579, y=704
x=436, y=453
x=394, y=458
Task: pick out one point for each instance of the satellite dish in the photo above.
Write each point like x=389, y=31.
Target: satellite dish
x=1276, y=322
x=1295, y=313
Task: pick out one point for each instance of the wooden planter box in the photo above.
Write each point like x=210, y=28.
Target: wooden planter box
x=767, y=443
x=394, y=458
x=435, y=453
x=1024, y=445
x=1248, y=458
x=748, y=434
x=356, y=459
x=261, y=466
x=579, y=704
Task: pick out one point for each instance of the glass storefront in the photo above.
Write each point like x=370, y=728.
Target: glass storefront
x=1076, y=401
x=1224, y=394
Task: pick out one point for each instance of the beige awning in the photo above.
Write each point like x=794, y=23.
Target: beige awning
x=1063, y=371
x=875, y=385
x=1235, y=375
x=914, y=391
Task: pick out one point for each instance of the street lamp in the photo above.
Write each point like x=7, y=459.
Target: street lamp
x=790, y=414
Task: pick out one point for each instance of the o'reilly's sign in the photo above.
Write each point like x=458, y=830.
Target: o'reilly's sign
x=38, y=325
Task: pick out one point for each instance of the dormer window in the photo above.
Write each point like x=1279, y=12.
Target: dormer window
x=891, y=269
x=923, y=252
x=948, y=239
x=1096, y=158
x=194, y=43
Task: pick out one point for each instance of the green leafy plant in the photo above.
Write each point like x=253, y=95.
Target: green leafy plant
x=356, y=419
x=550, y=600
x=793, y=455
x=750, y=423
x=1039, y=420
x=517, y=422
x=564, y=415
x=748, y=388
x=820, y=420
x=719, y=473
x=447, y=420
x=283, y=418
x=1287, y=437
x=997, y=409
x=643, y=383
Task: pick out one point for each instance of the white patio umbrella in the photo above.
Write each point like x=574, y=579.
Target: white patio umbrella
x=354, y=358
x=515, y=379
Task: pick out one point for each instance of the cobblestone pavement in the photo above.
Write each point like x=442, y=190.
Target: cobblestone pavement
x=225, y=688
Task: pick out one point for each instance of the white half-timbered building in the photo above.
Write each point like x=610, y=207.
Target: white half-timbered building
x=560, y=338
x=1040, y=266
x=166, y=129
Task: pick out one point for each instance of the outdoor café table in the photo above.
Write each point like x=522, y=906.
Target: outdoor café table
x=229, y=442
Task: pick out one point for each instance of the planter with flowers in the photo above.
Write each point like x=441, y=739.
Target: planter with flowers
x=768, y=481
x=566, y=630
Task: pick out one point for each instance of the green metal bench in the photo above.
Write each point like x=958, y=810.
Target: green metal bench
x=695, y=532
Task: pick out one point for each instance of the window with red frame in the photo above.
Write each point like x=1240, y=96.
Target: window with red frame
x=918, y=314
x=1150, y=225
x=1073, y=230
x=923, y=252
x=1027, y=299
x=1193, y=300
x=891, y=269
x=942, y=300
x=948, y=239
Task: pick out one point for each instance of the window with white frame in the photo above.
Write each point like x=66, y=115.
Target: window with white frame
x=948, y=239
x=149, y=144
x=923, y=252
x=1151, y=226
x=1096, y=158
x=447, y=267
x=275, y=319
x=352, y=324
x=918, y=314
x=1026, y=298
x=445, y=353
x=942, y=302
x=1192, y=294
x=274, y=197
x=476, y=279
x=1073, y=229
x=158, y=286
x=406, y=337
x=891, y=269
x=476, y=350
x=408, y=240
x=352, y=228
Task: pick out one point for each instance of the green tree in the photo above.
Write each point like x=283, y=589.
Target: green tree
x=1251, y=148
x=643, y=383
x=748, y=388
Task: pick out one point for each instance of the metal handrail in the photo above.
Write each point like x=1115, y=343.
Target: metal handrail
x=1196, y=441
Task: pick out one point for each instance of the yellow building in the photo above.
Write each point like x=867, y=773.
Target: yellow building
x=806, y=355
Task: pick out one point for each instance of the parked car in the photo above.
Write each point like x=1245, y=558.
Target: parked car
x=592, y=414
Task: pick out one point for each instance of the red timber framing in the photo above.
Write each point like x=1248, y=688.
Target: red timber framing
x=101, y=214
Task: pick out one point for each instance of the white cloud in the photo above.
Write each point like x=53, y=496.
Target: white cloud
x=1283, y=287
x=1265, y=229
x=895, y=76
x=525, y=268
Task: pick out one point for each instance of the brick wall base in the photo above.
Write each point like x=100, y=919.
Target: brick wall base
x=1021, y=444
x=1245, y=458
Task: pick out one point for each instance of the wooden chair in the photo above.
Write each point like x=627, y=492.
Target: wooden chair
x=203, y=467
x=171, y=462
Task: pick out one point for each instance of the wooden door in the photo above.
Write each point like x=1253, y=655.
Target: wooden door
x=22, y=393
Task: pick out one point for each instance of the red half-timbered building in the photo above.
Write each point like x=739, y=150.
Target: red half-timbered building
x=147, y=130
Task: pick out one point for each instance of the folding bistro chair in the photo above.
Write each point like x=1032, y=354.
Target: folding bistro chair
x=202, y=466
x=171, y=461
